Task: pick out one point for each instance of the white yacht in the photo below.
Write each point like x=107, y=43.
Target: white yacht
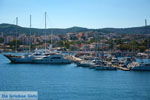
x=139, y=66
x=43, y=56
x=85, y=63
x=37, y=58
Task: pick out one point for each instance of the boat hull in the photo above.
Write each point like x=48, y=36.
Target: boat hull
x=32, y=60
x=105, y=68
x=141, y=68
x=18, y=59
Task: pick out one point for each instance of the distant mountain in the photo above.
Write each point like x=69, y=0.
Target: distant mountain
x=77, y=29
x=136, y=30
x=12, y=29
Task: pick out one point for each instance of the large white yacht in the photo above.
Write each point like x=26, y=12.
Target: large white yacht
x=43, y=56
x=39, y=58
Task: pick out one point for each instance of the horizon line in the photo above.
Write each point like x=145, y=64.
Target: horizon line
x=74, y=26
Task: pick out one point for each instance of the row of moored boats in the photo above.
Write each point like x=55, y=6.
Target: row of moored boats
x=112, y=63
x=98, y=63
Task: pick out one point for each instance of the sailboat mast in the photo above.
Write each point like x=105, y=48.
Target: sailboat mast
x=45, y=30
x=45, y=19
x=51, y=39
x=30, y=35
x=30, y=21
x=16, y=35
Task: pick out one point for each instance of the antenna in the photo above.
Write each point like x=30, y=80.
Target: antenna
x=145, y=22
x=16, y=20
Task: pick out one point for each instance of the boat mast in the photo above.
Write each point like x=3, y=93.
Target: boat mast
x=51, y=39
x=45, y=30
x=30, y=40
x=16, y=35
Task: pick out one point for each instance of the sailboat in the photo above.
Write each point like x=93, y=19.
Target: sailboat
x=39, y=56
x=101, y=63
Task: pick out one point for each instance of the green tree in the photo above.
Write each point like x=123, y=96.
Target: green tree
x=15, y=43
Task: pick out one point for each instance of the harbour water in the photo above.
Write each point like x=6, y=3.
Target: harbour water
x=68, y=82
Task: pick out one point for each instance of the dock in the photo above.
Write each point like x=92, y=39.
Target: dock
x=74, y=59
x=124, y=69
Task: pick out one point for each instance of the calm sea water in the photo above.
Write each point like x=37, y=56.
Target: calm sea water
x=68, y=82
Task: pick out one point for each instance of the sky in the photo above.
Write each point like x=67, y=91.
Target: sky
x=82, y=13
